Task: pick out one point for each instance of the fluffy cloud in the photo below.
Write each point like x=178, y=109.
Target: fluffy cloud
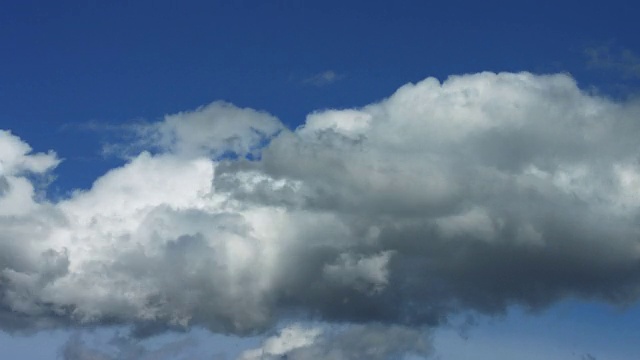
x=16, y=163
x=473, y=194
x=374, y=342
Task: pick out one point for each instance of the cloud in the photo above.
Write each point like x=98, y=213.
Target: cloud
x=16, y=157
x=290, y=338
x=374, y=342
x=323, y=79
x=235, y=132
x=622, y=60
x=474, y=194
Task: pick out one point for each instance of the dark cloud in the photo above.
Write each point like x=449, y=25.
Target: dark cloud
x=375, y=341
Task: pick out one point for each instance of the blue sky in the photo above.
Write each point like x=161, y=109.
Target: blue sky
x=95, y=82
x=73, y=62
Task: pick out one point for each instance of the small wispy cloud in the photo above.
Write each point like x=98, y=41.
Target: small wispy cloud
x=117, y=139
x=618, y=59
x=324, y=78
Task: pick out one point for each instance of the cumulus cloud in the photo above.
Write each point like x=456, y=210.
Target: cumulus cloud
x=235, y=132
x=17, y=163
x=374, y=342
x=476, y=193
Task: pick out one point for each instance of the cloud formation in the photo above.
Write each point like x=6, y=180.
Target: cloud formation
x=477, y=193
x=374, y=342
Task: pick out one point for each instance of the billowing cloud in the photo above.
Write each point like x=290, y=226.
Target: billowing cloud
x=480, y=192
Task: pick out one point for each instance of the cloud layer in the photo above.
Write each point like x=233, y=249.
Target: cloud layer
x=480, y=192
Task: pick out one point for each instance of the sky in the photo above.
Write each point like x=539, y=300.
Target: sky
x=319, y=180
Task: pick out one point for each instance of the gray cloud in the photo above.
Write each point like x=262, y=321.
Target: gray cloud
x=374, y=342
x=474, y=194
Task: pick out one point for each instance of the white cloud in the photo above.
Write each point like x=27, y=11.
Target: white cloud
x=16, y=157
x=373, y=342
x=17, y=193
x=215, y=130
x=290, y=338
x=472, y=194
